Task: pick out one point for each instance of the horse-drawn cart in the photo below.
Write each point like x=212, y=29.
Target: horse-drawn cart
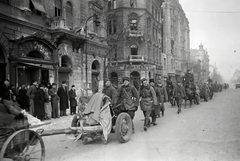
x=22, y=142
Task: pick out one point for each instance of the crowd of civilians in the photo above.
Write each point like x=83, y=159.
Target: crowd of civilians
x=43, y=102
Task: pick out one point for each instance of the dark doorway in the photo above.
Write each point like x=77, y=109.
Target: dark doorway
x=45, y=77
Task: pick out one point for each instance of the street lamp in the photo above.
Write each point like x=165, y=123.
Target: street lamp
x=97, y=23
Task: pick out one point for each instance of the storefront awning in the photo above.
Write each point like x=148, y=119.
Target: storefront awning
x=43, y=66
x=38, y=5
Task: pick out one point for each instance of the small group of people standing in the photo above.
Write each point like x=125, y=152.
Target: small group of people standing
x=41, y=101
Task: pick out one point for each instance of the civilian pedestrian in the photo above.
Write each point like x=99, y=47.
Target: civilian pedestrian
x=31, y=94
x=47, y=105
x=54, y=101
x=73, y=100
x=63, y=95
x=39, y=102
x=23, y=98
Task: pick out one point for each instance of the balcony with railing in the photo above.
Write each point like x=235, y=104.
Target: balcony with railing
x=135, y=33
x=136, y=58
x=58, y=22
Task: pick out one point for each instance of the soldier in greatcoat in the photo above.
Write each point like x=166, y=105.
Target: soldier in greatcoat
x=63, y=95
x=179, y=94
x=156, y=110
x=164, y=96
x=110, y=91
x=128, y=96
x=148, y=100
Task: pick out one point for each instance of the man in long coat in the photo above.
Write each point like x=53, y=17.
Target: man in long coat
x=73, y=100
x=63, y=95
x=54, y=100
x=31, y=94
x=39, y=102
x=179, y=94
x=148, y=100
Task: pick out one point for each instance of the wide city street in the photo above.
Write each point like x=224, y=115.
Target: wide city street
x=206, y=132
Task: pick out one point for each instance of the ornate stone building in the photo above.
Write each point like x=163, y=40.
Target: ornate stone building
x=135, y=39
x=199, y=64
x=176, y=40
x=51, y=41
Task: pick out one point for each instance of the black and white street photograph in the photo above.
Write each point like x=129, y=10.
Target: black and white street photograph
x=119, y=80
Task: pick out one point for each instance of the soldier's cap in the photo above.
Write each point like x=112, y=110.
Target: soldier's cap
x=125, y=78
x=54, y=84
x=151, y=80
x=144, y=79
x=64, y=82
x=178, y=81
x=73, y=85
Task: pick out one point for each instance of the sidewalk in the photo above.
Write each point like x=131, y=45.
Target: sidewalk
x=58, y=123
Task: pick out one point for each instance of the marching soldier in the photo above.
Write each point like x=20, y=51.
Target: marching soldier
x=156, y=110
x=164, y=96
x=179, y=94
x=148, y=101
x=129, y=98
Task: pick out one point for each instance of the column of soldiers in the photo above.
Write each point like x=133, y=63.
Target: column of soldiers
x=150, y=97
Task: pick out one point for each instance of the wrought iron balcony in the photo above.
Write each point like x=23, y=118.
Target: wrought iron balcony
x=136, y=58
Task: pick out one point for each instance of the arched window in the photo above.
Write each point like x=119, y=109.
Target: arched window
x=69, y=15
x=66, y=62
x=58, y=8
x=35, y=54
x=134, y=50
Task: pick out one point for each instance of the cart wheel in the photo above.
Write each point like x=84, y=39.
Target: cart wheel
x=75, y=121
x=24, y=145
x=123, y=127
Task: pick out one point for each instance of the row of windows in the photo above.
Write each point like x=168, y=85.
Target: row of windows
x=112, y=4
x=38, y=8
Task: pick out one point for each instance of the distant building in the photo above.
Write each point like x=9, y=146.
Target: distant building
x=46, y=41
x=176, y=40
x=199, y=64
x=135, y=30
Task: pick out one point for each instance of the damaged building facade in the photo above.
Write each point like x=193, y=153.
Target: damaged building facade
x=51, y=41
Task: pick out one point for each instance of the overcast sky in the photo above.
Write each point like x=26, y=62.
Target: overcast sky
x=216, y=24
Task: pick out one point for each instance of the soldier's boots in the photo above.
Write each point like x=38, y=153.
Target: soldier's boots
x=154, y=118
x=146, y=124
